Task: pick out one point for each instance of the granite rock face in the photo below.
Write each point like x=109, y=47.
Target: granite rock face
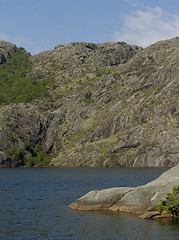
x=108, y=105
x=134, y=200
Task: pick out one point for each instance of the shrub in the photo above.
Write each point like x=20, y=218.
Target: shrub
x=17, y=154
x=30, y=156
x=171, y=203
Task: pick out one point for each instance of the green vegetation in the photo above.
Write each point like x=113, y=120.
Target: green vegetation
x=171, y=203
x=30, y=156
x=17, y=154
x=15, y=86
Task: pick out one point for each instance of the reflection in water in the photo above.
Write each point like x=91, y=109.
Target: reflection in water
x=33, y=205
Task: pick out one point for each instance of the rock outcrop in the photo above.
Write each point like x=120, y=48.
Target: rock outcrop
x=141, y=199
x=6, y=49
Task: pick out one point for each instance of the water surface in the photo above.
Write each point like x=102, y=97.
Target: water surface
x=33, y=205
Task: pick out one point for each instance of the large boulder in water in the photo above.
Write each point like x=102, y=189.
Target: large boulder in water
x=137, y=200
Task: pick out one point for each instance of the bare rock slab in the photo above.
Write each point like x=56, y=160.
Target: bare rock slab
x=98, y=200
x=147, y=197
x=141, y=199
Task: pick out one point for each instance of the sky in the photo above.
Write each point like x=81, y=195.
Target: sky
x=39, y=25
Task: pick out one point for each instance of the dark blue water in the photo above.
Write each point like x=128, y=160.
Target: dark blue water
x=33, y=205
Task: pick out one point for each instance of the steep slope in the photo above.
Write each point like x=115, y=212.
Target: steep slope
x=108, y=104
x=131, y=117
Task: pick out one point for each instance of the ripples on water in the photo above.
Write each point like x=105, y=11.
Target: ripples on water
x=33, y=205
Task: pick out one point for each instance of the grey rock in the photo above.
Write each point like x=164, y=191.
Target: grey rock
x=98, y=200
x=150, y=215
x=166, y=214
x=141, y=199
x=147, y=197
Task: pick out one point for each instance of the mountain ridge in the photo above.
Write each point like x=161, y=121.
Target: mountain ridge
x=107, y=104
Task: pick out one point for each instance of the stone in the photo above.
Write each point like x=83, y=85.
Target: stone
x=150, y=215
x=166, y=214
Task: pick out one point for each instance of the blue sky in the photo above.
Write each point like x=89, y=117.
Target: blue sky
x=39, y=25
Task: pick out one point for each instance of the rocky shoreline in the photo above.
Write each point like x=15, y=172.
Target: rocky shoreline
x=141, y=200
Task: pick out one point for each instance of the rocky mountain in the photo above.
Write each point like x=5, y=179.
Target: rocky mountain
x=85, y=104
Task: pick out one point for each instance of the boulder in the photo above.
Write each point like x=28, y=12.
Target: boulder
x=150, y=215
x=166, y=214
x=141, y=199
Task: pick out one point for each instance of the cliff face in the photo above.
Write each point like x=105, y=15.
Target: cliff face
x=107, y=104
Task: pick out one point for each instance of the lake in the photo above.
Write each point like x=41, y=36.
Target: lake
x=33, y=205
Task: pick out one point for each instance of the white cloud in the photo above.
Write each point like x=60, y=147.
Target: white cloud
x=146, y=27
